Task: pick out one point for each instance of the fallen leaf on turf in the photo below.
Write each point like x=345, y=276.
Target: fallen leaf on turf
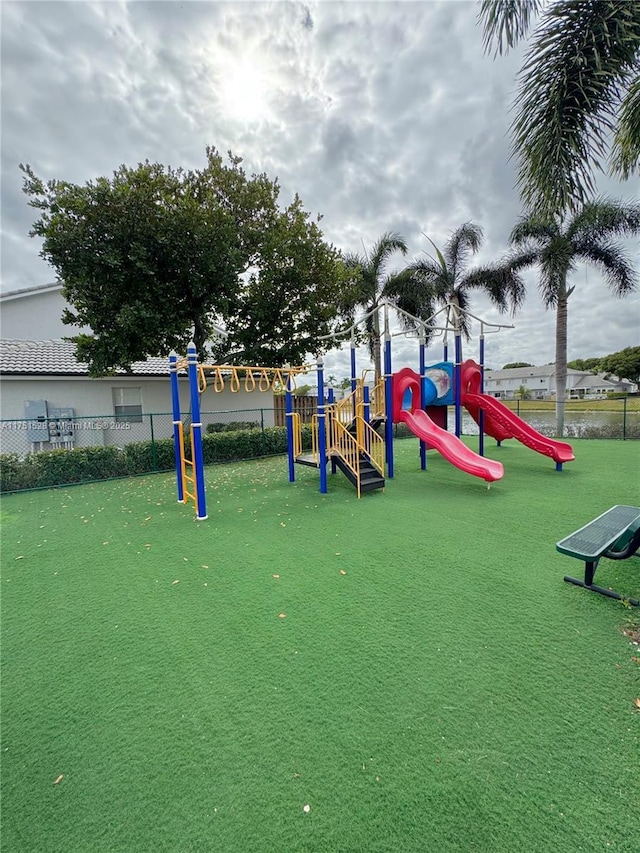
x=282, y=615
x=203, y=566
x=276, y=576
x=634, y=659
x=20, y=557
x=306, y=808
x=59, y=779
x=637, y=703
x=173, y=582
x=342, y=572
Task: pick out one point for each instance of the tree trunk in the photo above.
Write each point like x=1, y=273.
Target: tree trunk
x=561, y=357
x=200, y=338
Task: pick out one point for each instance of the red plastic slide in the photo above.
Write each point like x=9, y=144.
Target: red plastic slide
x=451, y=447
x=500, y=422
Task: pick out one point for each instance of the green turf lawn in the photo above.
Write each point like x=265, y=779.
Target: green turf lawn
x=433, y=684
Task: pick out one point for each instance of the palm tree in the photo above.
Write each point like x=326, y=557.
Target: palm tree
x=445, y=280
x=373, y=285
x=557, y=246
x=579, y=83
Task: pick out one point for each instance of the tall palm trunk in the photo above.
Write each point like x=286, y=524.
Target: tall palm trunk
x=561, y=356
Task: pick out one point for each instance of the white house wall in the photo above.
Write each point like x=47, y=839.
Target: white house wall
x=34, y=317
x=92, y=402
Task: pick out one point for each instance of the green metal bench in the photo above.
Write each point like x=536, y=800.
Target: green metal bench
x=615, y=535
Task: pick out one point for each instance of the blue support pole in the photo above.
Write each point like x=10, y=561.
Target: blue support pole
x=196, y=426
x=175, y=406
x=458, y=342
x=288, y=404
x=388, y=402
x=354, y=378
x=322, y=430
x=481, y=413
x=423, y=370
x=445, y=357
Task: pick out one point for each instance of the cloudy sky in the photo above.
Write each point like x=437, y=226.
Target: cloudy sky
x=382, y=116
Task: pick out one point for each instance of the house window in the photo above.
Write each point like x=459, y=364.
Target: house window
x=127, y=405
x=498, y=381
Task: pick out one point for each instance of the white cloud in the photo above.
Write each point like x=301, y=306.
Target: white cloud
x=382, y=116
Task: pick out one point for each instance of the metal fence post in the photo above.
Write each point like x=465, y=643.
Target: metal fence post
x=154, y=451
x=624, y=418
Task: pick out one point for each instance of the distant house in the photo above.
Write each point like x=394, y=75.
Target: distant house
x=48, y=399
x=540, y=383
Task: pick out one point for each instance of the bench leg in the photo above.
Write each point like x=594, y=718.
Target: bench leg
x=589, y=571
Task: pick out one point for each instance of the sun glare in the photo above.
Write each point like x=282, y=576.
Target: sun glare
x=243, y=94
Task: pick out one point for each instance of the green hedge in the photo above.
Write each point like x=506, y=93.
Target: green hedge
x=233, y=426
x=64, y=467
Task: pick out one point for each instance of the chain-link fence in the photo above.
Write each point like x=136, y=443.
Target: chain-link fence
x=43, y=453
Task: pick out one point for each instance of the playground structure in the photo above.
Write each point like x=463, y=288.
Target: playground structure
x=355, y=434
x=190, y=469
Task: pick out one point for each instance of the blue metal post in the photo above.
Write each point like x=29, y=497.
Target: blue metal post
x=458, y=342
x=322, y=430
x=288, y=404
x=354, y=378
x=445, y=357
x=175, y=405
x=423, y=370
x=481, y=413
x=196, y=426
x=388, y=401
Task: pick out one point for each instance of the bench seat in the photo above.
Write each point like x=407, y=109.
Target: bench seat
x=615, y=535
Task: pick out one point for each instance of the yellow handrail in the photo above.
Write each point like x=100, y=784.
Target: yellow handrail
x=347, y=448
x=296, y=424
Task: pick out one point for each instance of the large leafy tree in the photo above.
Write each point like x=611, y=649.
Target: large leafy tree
x=624, y=364
x=578, y=101
x=371, y=284
x=292, y=298
x=557, y=247
x=447, y=280
x=154, y=256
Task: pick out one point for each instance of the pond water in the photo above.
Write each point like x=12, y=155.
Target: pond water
x=576, y=424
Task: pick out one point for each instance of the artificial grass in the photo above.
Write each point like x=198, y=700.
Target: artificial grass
x=418, y=674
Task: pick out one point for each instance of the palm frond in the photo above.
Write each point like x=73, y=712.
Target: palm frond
x=556, y=261
x=426, y=268
x=505, y=22
x=604, y=218
x=383, y=248
x=619, y=272
x=465, y=241
x=533, y=228
x=460, y=297
x=502, y=284
x=570, y=87
x=625, y=154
